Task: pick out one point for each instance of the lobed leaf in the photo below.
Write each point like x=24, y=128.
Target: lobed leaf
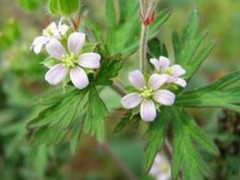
x=185, y=156
x=95, y=116
x=154, y=137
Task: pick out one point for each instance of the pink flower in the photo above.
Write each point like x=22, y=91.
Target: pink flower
x=52, y=31
x=173, y=73
x=161, y=168
x=148, y=96
x=70, y=61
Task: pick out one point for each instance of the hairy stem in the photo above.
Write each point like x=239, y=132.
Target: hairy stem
x=143, y=49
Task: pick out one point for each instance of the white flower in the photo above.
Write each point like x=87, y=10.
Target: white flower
x=173, y=73
x=52, y=31
x=70, y=61
x=148, y=95
x=161, y=168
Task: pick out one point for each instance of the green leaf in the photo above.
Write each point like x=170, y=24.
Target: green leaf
x=188, y=49
x=161, y=18
x=54, y=122
x=224, y=93
x=109, y=69
x=185, y=156
x=64, y=7
x=110, y=14
x=156, y=48
x=95, y=116
x=127, y=120
x=154, y=137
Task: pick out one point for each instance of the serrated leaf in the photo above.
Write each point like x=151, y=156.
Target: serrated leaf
x=95, y=116
x=154, y=137
x=127, y=120
x=161, y=18
x=185, y=156
x=109, y=69
x=54, y=122
x=224, y=93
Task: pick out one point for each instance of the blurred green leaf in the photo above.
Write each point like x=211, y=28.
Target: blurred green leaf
x=64, y=7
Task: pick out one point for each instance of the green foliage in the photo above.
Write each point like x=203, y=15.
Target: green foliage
x=54, y=122
x=9, y=34
x=110, y=66
x=95, y=116
x=116, y=38
x=64, y=7
x=30, y=5
x=187, y=48
x=154, y=137
x=128, y=119
x=224, y=93
x=185, y=155
x=156, y=48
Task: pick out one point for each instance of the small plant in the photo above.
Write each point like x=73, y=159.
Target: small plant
x=93, y=57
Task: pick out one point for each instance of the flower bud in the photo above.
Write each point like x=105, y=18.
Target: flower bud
x=64, y=7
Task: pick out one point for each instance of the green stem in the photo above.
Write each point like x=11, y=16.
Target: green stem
x=143, y=46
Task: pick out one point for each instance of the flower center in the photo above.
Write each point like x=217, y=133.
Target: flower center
x=168, y=71
x=146, y=92
x=69, y=61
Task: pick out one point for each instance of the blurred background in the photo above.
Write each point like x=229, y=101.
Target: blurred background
x=22, y=80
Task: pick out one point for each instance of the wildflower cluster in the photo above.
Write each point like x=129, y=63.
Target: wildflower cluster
x=152, y=95
x=65, y=46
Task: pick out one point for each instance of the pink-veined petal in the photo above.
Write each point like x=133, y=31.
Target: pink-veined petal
x=164, y=62
x=155, y=63
x=55, y=49
x=75, y=42
x=148, y=111
x=156, y=81
x=53, y=27
x=131, y=100
x=63, y=29
x=164, y=97
x=89, y=60
x=79, y=78
x=38, y=43
x=56, y=74
x=136, y=78
x=177, y=70
x=181, y=82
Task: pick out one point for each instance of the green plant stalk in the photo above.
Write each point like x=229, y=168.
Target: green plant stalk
x=143, y=49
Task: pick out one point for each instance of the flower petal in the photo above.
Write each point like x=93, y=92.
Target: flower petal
x=177, y=70
x=79, y=78
x=38, y=43
x=75, y=42
x=148, y=111
x=89, y=60
x=156, y=81
x=181, y=82
x=131, y=100
x=155, y=63
x=136, y=78
x=55, y=49
x=56, y=74
x=164, y=97
x=164, y=62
